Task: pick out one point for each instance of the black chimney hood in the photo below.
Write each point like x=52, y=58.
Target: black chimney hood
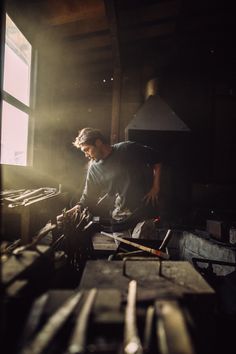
x=155, y=114
x=157, y=125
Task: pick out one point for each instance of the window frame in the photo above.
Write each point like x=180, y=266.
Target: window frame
x=13, y=101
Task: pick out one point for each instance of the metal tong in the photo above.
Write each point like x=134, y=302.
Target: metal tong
x=132, y=343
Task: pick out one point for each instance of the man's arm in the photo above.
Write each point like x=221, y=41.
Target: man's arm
x=88, y=199
x=152, y=195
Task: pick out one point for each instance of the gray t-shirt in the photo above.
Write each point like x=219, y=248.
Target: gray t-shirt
x=126, y=172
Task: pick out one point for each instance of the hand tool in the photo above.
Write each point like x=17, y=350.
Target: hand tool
x=44, y=337
x=157, y=253
x=77, y=343
x=166, y=240
x=132, y=343
x=32, y=245
x=172, y=333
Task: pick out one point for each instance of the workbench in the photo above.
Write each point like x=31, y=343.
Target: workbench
x=31, y=217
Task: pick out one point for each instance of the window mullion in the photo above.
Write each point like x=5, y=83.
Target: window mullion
x=15, y=102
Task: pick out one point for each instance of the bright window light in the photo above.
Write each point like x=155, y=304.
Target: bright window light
x=17, y=63
x=14, y=135
x=16, y=96
x=16, y=76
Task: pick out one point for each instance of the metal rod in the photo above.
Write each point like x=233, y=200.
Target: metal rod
x=47, y=196
x=52, y=326
x=9, y=249
x=102, y=198
x=42, y=233
x=148, y=330
x=166, y=240
x=157, y=253
x=172, y=333
x=77, y=343
x=34, y=318
x=25, y=195
x=132, y=343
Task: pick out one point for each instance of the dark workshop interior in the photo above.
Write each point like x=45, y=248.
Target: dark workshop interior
x=158, y=72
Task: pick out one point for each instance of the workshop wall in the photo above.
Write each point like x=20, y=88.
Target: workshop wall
x=197, y=84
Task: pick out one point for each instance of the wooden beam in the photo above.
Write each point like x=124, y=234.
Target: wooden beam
x=98, y=40
x=156, y=30
x=150, y=13
x=116, y=96
x=112, y=20
x=88, y=57
x=77, y=28
x=64, y=11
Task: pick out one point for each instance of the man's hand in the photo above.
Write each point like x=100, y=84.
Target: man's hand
x=152, y=196
x=69, y=215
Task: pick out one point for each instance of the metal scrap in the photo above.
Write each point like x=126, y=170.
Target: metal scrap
x=77, y=343
x=42, y=340
x=132, y=343
x=25, y=197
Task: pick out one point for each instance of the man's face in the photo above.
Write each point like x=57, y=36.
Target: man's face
x=92, y=152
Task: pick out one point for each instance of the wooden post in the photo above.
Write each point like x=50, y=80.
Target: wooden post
x=115, y=115
x=116, y=95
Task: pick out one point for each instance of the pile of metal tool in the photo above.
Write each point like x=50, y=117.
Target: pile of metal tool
x=125, y=311
x=25, y=197
x=137, y=300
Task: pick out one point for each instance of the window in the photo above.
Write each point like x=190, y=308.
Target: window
x=16, y=97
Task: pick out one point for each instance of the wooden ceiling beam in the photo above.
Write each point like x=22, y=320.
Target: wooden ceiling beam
x=207, y=22
x=82, y=83
x=150, y=13
x=58, y=12
x=77, y=28
x=93, y=42
x=85, y=68
x=87, y=57
x=156, y=30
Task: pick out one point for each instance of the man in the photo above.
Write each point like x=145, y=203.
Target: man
x=126, y=173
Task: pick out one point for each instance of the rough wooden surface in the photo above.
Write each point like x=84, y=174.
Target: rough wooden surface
x=15, y=266
x=177, y=277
